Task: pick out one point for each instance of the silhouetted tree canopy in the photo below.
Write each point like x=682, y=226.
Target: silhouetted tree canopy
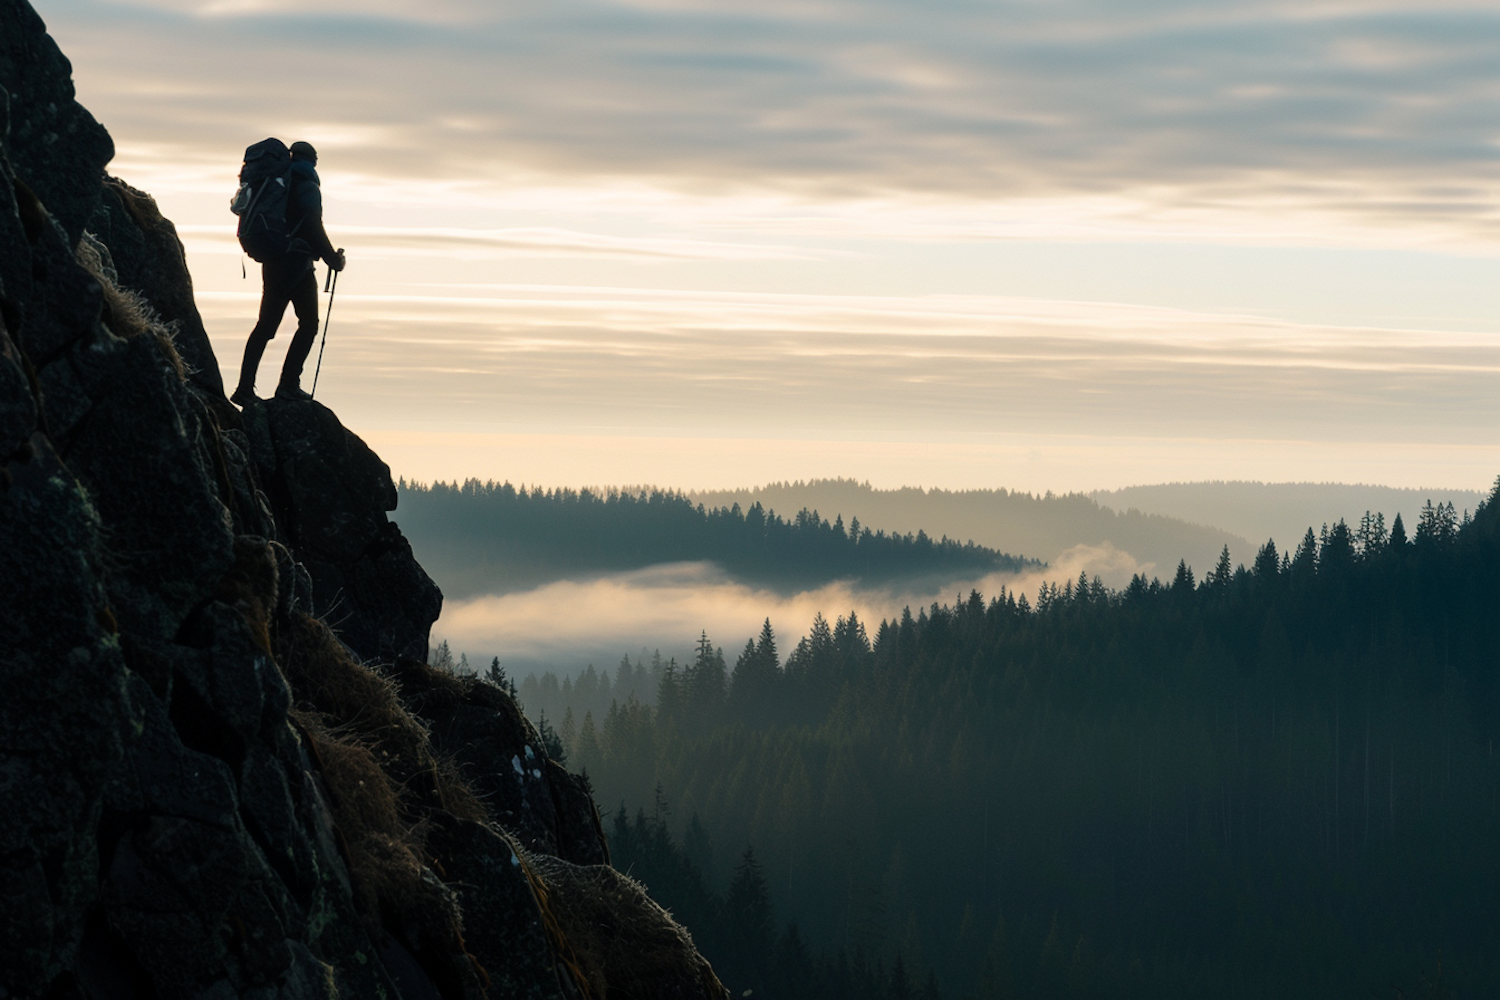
x=1278, y=781
x=478, y=538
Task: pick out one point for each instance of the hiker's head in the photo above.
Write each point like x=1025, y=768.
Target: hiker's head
x=304, y=151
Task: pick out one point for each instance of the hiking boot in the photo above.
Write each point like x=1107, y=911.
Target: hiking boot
x=244, y=396
x=291, y=392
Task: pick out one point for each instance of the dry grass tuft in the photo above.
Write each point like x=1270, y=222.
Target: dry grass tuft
x=384, y=782
x=435, y=689
x=627, y=947
x=127, y=313
x=455, y=794
x=355, y=698
x=432, y=689
x=394, y=889
x=366, y=799
x=365, y=808
x=363, y=701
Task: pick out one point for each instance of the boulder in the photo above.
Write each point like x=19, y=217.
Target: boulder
x=532, y=796
x=330, y=495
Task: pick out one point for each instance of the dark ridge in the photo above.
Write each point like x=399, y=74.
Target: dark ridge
x=481, y=538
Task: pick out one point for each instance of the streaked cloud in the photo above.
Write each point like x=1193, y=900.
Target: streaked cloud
x=453, y=243
x=1383, y=115
x=880, y=362
x=947, y=371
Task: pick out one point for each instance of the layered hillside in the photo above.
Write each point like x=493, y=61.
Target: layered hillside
x=227, y=769
x=1044, y=527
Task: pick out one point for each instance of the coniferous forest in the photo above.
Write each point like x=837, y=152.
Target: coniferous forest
x=481, y=538
x=1268, y=780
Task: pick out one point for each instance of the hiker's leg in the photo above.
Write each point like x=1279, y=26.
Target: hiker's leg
x=305, y=304
x=273, y=299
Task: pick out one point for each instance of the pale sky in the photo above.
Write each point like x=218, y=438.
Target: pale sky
x=1034, y=245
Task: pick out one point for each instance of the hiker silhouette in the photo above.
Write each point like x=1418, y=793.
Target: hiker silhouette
x=280, y=204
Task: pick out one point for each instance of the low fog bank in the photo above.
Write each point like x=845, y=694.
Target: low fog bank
x=567, y=625
x=1281, y=511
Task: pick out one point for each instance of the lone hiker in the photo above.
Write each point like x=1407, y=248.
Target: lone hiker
x=286, y=248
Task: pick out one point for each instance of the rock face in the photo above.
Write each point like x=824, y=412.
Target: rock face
x=330, y=494
x=147, y=257
x=227, y=770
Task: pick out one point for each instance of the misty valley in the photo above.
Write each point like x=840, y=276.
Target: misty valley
x=441, y=645
x=1258, y=770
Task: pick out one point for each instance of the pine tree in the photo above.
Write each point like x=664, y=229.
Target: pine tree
x=1305, y=562
x=900, y=984
x=795, y=974
x=1427, y=525
x=705, y=682
x=550, y=741
x=750, y=922
x=1336, y=554
x=765, y=647
x=697, y=846
x=1052, y=963
x=1268, y=564
x=1219, y=578
x=850, y=641
x=1398, y=535
x=669, y=695
x=1370, y=539
x=496, y=675
x=590, y=756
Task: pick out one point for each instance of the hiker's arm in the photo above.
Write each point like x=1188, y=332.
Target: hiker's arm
x=310, y=201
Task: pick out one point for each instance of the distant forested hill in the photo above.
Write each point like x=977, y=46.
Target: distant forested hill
x=491, y=538
x=1043, y=526
x=1273, y=781
x=1277, y=510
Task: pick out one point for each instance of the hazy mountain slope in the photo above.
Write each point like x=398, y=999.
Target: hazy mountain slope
x=1282, y=511
x=1041, y=527
x=1278, y=783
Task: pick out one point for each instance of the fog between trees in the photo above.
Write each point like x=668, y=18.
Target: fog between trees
x=1266, y=779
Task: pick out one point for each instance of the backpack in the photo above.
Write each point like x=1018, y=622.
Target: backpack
x=261, y=201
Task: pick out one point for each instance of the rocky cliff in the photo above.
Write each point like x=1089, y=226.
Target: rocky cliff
x=226, y=769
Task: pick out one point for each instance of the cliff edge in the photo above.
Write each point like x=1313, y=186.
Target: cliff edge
x=227, y=770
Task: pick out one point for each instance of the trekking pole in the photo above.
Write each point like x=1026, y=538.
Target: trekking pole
x=330, y=285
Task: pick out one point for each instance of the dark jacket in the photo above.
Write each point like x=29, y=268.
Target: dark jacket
x=304, y=211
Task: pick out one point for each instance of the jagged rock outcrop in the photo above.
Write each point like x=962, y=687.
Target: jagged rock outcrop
x=548, y=810
x=52, y=139
x=147, y=256
x=226, y=769
x=330, y=494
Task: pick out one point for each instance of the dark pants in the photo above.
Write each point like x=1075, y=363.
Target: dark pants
x=288, y=280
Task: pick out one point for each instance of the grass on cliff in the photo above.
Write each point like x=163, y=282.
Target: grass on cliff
x=127, y=313
x=385, y=782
